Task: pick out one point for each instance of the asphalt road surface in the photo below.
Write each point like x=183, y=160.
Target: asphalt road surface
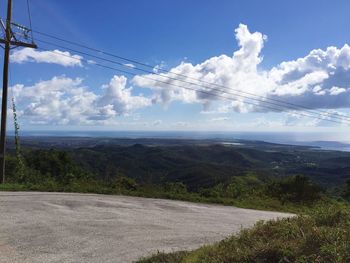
x=65, y=227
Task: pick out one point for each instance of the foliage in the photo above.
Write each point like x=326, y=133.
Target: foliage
x=20, y=166
x=346, y=191
x=319, y=234
x=295, y=189
x=57, y=170
x=205, y=165
x=323, y=235
x=125, y=183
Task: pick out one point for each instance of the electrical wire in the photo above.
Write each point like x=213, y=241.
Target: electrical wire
x=296, y=106
x=30, y=20
x=235, y=93
x=210, y=93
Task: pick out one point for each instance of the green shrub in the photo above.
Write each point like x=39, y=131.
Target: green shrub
x=297, y=188
x=321, y=236
x=175, y=188
x=125, y=183
x=346, y=191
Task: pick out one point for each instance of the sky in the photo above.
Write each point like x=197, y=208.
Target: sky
x=290, y=51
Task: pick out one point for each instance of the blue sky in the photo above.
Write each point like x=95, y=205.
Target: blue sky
x=197, y=38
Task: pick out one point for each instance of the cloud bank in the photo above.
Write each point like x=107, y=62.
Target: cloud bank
x=321, y=79
x=63, y=100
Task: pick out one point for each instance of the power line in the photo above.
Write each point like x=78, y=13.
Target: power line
x=295, y=106
x=189, y=88
x=235, y=93
x=30, y=19
x=184, y=87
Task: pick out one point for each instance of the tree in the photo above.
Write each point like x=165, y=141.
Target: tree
x=346, y=193
x=297, y=188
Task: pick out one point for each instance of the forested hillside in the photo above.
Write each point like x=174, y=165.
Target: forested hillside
x=258, y=175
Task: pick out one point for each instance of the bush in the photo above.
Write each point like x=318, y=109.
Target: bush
x=125, y=183
x=346, y=192
x=321, y=236
x=295, y=189
x=175, y=188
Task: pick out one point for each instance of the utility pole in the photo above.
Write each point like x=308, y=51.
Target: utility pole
x=11, y=39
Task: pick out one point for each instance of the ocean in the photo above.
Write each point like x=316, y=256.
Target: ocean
x=330, y=141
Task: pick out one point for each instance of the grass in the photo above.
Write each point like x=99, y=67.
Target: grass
x=322, y=235
x=320, y=232
x=260, y=202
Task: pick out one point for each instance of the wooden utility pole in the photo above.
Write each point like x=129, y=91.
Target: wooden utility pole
x=10, y=40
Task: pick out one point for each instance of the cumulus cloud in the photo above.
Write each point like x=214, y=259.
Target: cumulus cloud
x=63, y=100
x=63, y=58
x=117, y=94
x=336, y=91
x=321, y=79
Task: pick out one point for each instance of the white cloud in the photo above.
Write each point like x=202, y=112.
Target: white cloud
x=157, y=122
x=219, y=119
x=305, y=119
x=180, y=124
x=336, y=91
x=159, y=67
x=263, y=123
x=91, y=62
x=129, y=65
x=319, y=80
x=117, y=94
x=63, y=100
x=63, y=58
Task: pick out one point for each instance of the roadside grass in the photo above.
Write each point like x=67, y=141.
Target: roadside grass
x=259, y=201
x=56, y=170
x=320, y=232
x=321, y=235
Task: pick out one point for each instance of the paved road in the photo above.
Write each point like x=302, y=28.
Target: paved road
x=64, y=227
